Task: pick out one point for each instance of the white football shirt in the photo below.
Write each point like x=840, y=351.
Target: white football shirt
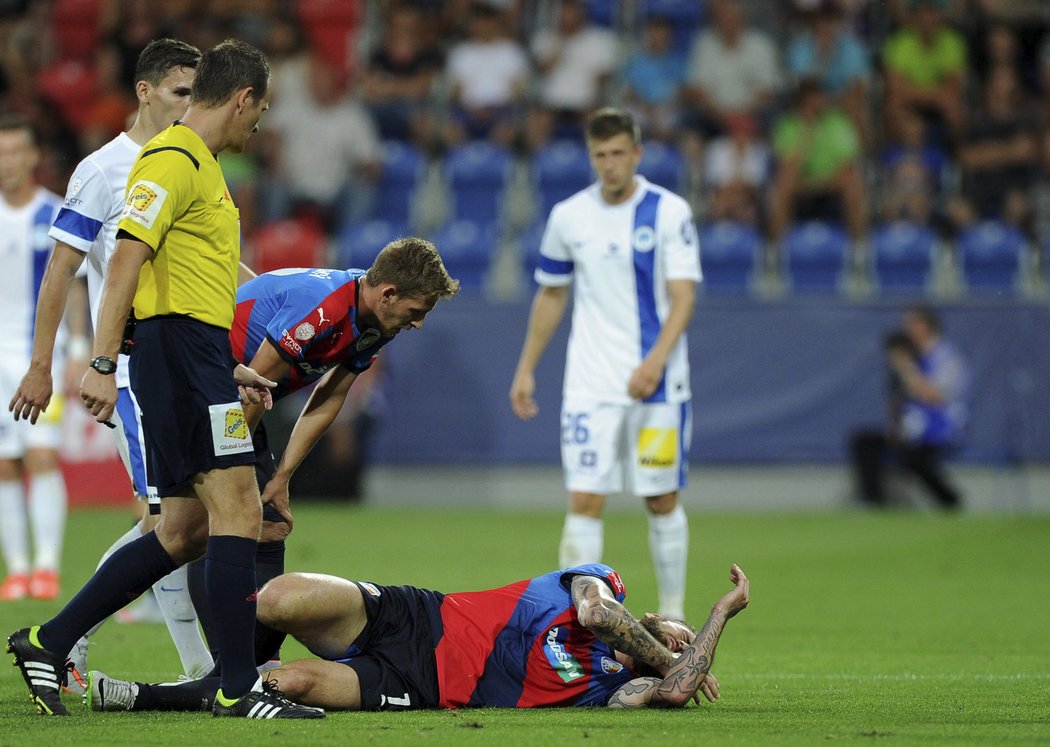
x=90, y=214
x=618, y=259
x=24, y=251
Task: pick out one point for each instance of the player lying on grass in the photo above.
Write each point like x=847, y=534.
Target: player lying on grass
x=562, y=639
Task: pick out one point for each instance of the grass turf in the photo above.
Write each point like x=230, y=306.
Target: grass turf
x=906, y=628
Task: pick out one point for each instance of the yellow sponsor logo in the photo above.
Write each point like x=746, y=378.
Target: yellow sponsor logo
x=235, y=425
x=141, y=197
x=657, y=447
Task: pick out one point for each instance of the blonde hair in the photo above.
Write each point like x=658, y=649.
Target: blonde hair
x=414, y=266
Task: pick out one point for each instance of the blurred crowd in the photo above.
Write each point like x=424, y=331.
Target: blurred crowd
x=864, y=112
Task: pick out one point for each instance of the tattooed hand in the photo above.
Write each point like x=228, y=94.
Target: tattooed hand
x=690, y=672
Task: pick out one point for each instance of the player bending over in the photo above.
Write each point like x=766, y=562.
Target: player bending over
x=561, y=639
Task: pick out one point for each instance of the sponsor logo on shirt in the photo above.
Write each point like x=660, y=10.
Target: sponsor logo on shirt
x=562, y=661
x=236, y=427
x=617, y=583
x=288, y=342
x=367, y=338
x=144, y=202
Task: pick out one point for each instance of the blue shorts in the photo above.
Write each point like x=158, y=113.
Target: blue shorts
x=182, y=374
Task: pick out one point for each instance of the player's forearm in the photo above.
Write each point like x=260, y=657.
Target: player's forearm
x=317, y=416
x=118, y=294
x=690, y=669
x=548, y=308
x=51, y=304
x=683, y=300
x=616, y=626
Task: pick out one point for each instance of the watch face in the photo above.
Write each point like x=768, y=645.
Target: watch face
x=104, y=365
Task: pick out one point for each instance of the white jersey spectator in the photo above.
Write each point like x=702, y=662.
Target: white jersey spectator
x=574, y=61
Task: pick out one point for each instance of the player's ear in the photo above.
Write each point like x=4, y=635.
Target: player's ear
x=389, y=292
x=142, y=89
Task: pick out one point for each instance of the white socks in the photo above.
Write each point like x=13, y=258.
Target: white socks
x=13, y=533
x=669, y=545
x=173, y=598
x=47, y=513
x=581, y=541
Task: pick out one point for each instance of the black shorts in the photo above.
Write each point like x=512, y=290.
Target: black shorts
x=182, y=373
x=394, y=655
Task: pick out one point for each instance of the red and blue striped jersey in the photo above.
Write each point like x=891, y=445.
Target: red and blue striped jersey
x=523, y=646
x=310, y=316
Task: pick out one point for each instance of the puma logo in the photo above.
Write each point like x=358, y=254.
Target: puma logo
x=320, y=313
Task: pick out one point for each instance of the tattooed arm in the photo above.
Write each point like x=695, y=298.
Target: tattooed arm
x=599, y=612
x=691, y=671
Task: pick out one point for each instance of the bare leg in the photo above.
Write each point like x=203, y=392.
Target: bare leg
x=324, y=613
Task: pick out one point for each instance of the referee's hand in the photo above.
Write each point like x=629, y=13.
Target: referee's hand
x=253, y=388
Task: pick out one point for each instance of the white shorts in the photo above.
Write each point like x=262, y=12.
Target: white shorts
x=131, y=442
x=17, y=437
x=638, y=448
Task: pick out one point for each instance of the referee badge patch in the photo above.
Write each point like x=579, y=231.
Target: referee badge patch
x=143, y=203
x=229, y=429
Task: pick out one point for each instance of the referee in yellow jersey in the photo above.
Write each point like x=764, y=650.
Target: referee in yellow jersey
x=176, y=264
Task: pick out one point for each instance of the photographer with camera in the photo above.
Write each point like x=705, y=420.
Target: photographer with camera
x=927, y=411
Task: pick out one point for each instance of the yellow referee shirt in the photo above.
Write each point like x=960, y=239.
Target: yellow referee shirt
x=177, y=203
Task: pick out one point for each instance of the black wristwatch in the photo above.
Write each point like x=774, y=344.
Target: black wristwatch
x=104, y=365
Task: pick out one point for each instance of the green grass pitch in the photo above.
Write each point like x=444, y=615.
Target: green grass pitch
x=890, y=628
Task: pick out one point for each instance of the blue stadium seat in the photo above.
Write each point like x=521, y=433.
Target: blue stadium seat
x=991, y=256
x=601, y=12
x=686, y=16
x=403, y=167
x=559, y=170
x=815, y=255
x=663, y=164
x=477, y=175
x=359, y=243
x=728, y=253
x=467, y=249
x=902, y=253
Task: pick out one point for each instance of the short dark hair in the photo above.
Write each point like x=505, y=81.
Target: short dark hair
x=161, y=55
x=10, y=122
x=227, y=68
x=415, y=267
x=928, y=316
x=610, y=122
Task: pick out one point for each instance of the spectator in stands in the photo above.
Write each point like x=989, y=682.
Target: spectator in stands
x=826, y=50
x=911, y=174
x=324, y=153
x=732, y=69
x=575, y=62
x=653, y=79
x=926, y=414
x=999, y=156
x=818, y=165
x=487, y=74
x=400, y=76
x=925, y=69
x=736, y=172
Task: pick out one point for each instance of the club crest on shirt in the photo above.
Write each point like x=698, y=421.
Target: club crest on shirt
x=610, y=666
x=305, y=331
x=367, y=338
x=643, y=239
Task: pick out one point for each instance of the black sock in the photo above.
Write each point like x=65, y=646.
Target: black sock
x=269, y=564
x=196, y=695
x=126, y=574
x=199, y=596
x=230, y=577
